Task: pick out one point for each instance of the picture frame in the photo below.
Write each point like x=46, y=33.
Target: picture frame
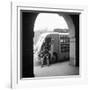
x=16, y=49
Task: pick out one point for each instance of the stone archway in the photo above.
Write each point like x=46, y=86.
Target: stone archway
x=27, y=26
x=73, y=24
x=27, y=34
x=72, y=38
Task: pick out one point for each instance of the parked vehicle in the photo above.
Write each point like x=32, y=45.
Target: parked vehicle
x=53, y=46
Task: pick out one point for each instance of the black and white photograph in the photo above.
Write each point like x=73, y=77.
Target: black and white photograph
x=49, y=43
x=45, y=45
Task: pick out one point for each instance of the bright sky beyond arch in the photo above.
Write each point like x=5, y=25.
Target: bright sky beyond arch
x=49, y=22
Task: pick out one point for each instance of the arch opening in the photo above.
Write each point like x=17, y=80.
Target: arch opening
x=41, y=23
x=49, y=22
x=55, y=22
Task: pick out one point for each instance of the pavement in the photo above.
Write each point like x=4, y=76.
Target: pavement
x=57, y=69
